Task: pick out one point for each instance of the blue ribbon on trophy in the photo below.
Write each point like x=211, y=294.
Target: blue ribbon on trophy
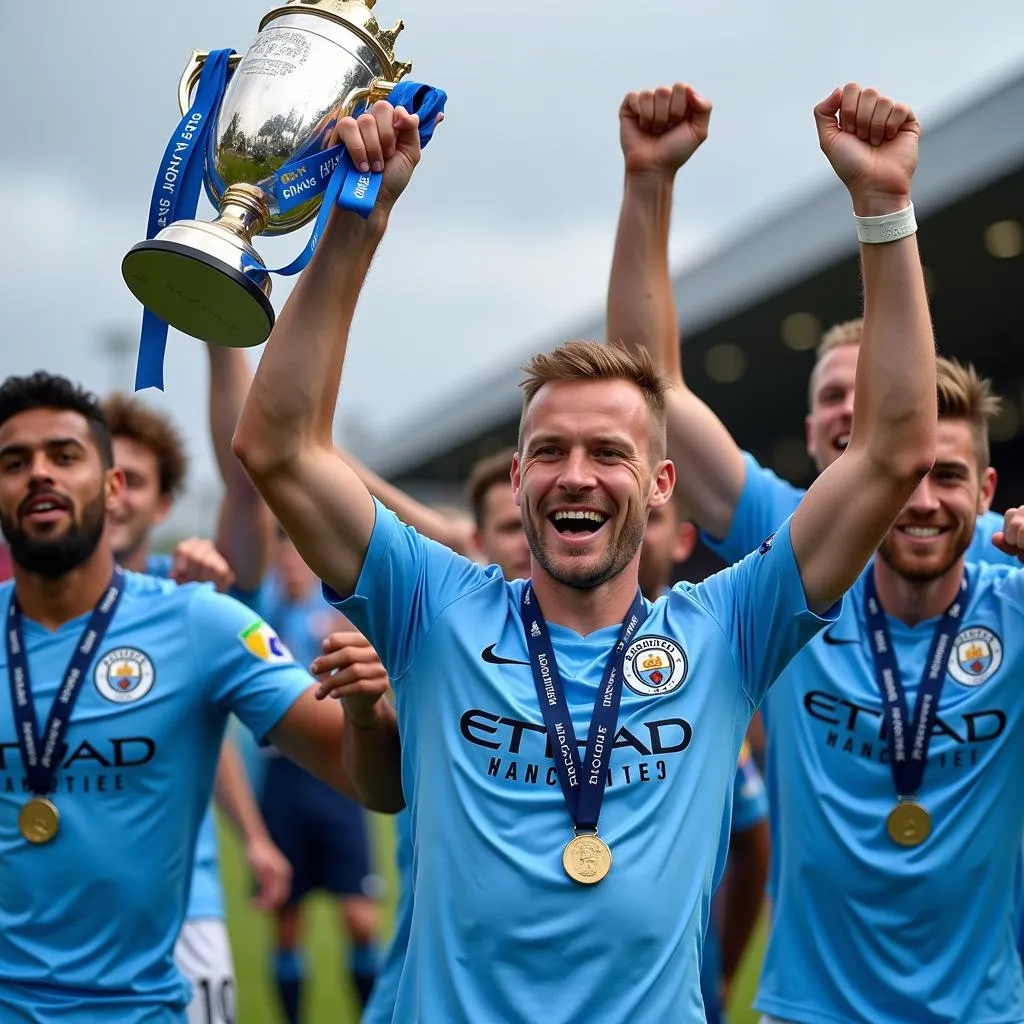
x=176, y=195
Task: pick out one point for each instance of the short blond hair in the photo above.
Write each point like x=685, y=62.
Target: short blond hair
x=847, y=333
x=837, y=336
x=965, y=395
x=590, y=360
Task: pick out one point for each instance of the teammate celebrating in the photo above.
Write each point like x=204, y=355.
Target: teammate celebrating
x=497, y=885
x=859, y=834
x=120, y=687
x=734, y=501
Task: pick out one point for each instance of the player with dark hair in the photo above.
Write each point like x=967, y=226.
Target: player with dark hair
x=120, y=689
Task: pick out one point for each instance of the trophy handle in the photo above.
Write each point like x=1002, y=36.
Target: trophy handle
x=378, y=89
x=190, y=76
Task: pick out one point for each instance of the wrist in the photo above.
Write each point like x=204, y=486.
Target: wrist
x=651, y=179
x=256, y=837
x=346, y=229
x=877, y=204
x=362, y=720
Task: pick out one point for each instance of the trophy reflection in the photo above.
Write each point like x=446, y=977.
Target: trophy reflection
x=312, y=62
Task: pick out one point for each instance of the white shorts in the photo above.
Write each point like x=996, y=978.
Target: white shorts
x=203, y=955
x=771, y=1020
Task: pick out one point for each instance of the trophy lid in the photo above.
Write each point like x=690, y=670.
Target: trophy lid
x=357, y=16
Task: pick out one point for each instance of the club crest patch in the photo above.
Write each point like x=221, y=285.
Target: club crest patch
x=263, y=643
x=124, y=675
x=975, y=656
x=654, y=666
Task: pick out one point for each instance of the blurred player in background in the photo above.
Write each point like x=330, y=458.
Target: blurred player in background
x=321, y=832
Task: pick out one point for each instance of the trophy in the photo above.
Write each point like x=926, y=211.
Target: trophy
x=313, y=62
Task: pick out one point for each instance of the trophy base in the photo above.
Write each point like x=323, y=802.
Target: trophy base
x=198, y=294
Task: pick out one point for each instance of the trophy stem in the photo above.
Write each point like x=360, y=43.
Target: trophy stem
x=193, y=275
x=243, y=211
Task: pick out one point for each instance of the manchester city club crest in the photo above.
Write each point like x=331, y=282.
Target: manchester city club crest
x=654, y=666
x=124, y=674
x=976, y=656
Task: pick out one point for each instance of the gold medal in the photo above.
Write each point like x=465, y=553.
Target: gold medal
x=39, y=820
x=909, y=824
x=587, y=859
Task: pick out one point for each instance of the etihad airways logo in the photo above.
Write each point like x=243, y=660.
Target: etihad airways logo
x=522, y=750
x=98, y=767
x=860, y=730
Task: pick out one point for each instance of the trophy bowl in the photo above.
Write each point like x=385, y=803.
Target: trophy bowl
x=313, y=62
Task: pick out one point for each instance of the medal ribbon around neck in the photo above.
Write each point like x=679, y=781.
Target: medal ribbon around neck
x=40, y=755
x=909, y=739
x=583, y=783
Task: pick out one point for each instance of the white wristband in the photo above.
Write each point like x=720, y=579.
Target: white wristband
x=889, y=227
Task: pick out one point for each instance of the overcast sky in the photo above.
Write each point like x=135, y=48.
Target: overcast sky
x=503, y=240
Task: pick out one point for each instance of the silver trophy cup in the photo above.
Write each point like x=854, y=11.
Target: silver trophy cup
x=312, y=63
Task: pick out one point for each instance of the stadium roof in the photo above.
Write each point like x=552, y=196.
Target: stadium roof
x=749, y=313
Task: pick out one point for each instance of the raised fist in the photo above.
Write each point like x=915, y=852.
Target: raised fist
x=660, y=129
x=871, y=142
x=384, y=139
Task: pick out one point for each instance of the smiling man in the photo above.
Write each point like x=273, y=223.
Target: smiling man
x=120, y=687
x=532, y=860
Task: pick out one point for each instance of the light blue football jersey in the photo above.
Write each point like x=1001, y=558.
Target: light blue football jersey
x=863, y=929
x=205, y=893
x=766, y=500
x=381, y=1007
x=498, y=931
x=89, y=920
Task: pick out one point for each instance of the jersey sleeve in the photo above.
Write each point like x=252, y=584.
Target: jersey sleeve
x=760, y=605
x=241, y=663
x=982, y=549
x=766, y=500
x=406, y=582
x=749, y=799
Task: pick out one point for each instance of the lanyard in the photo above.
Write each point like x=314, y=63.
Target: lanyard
x=41, y=754
x=908, y=754
x=582, y=784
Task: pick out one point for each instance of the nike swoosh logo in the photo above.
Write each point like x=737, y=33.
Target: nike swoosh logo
x=496, y=659
x=836, y=640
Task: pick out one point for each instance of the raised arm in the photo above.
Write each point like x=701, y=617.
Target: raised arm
x=872, y=144
x=245, y=528
x=285, y=434
x=659, y=131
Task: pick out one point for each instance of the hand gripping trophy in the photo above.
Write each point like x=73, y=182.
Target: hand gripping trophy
x=260, y=154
